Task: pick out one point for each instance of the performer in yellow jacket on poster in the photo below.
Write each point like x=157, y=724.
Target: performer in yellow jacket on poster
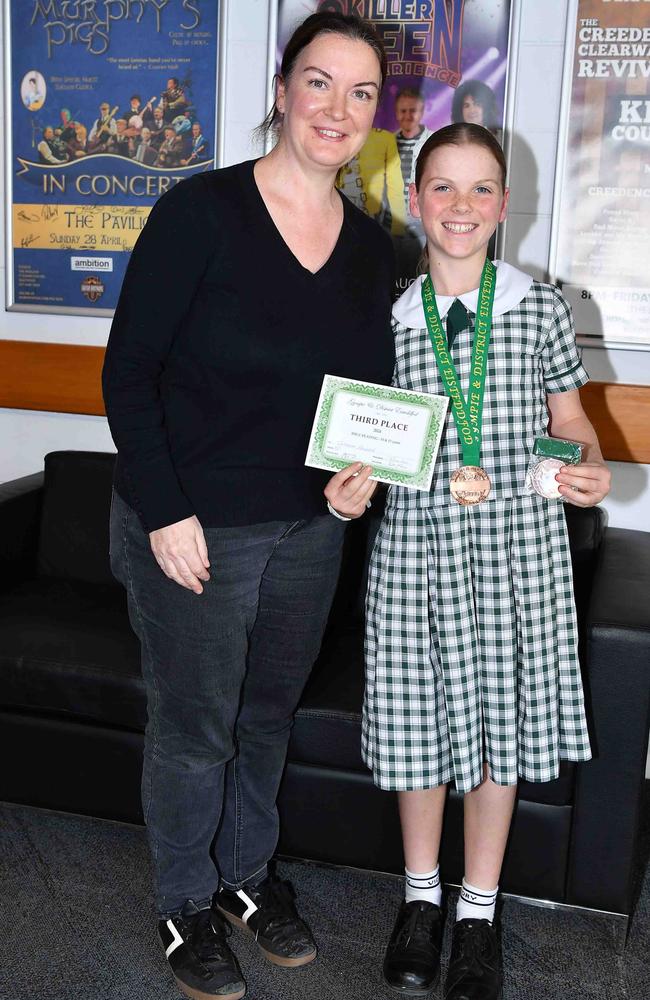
x=372, y=180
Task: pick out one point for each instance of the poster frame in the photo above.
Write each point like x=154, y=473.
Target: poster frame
x=509, y=107
x=271, y=50
x=597, y=340
x=220, y=104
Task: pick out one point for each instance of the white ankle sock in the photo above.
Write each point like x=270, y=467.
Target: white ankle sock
x=424, y=885
x=476, y=904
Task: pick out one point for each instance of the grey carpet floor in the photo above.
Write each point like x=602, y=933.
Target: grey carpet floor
x=76, y=923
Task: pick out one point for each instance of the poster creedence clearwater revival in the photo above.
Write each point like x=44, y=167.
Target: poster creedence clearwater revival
x=110, y=103
x=601, y=245
x=447, y=61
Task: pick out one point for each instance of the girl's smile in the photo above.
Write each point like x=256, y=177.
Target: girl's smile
x=460, y=227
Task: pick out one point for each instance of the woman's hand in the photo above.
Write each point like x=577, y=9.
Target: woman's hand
x=181, y=553
x=349, y=490
x=585, y=484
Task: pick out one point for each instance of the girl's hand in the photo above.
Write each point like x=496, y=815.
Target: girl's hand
x=350, y=490
x=585, y=484
x=181, y=553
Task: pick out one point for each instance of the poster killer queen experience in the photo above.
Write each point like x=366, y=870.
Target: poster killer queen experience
x=111, y=103
x=447, y=61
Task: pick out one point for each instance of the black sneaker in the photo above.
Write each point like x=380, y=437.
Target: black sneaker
x=475, y=964
x=195, y=945
x=267, y=911
x=412, y=960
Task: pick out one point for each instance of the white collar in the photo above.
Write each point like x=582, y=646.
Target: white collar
x=512, y=286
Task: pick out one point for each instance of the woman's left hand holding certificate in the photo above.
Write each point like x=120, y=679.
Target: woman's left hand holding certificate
x=349, y=491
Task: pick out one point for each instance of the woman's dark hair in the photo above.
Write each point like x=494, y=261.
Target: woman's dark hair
x=321, y=23
x=460, y=134
x=483, y=96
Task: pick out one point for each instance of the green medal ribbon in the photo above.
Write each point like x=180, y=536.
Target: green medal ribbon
x=467, y=412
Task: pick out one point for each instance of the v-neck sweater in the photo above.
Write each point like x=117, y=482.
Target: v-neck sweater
x=218, y=348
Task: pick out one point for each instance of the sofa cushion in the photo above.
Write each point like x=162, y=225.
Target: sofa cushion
x=327, y=728
x=67, y=648
x=73, y=542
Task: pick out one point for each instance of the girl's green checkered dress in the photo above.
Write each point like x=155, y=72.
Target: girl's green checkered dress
x=471, y=641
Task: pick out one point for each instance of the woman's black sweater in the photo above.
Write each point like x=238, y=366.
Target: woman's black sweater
x=218, y=349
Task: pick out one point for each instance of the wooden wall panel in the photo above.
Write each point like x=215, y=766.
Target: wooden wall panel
x=66, y=378
x=621, y=416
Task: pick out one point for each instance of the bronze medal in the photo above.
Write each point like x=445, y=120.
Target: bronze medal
x=470, y=485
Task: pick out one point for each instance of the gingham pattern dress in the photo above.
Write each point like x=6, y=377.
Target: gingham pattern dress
x=471, y=641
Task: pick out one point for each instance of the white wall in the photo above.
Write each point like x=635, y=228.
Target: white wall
x=26, y=436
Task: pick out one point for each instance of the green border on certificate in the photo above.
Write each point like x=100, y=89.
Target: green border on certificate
x=396, y=431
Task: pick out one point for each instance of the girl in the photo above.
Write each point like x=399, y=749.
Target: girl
x=472, y=667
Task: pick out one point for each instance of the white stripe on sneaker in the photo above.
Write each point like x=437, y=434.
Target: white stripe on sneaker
x=178, y=940
x=251, y=907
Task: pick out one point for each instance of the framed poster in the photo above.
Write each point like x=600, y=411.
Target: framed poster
x=600, y=243
x=447, y=62
x=108, y=104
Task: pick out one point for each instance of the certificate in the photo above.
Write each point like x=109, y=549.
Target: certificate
x=396, y=431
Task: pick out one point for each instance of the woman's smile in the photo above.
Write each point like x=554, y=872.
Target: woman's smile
x=330, y=134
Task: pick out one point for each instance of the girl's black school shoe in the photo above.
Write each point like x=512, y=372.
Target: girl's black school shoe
x=268, y=912
x=196, y=948
x=412, y=960
x=475, y=962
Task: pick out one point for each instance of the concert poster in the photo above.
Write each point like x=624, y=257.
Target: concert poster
x=447, y=62
x=601, y=218
x=109, y=103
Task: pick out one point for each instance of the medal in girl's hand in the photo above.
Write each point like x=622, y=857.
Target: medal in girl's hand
x=548, y=457
x=543, y=478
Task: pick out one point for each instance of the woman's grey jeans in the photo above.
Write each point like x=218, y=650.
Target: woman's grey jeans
x=224, y=672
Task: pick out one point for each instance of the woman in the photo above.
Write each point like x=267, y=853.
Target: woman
x=474, y=102
x=247, y=285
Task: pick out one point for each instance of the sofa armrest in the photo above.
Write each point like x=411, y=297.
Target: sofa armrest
x=20, y=514
x=609, y=787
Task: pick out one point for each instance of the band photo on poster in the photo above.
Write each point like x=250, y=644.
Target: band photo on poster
x=108, y=107
x=447, y=62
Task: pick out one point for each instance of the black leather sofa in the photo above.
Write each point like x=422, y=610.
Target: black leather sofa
x=72, y=707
